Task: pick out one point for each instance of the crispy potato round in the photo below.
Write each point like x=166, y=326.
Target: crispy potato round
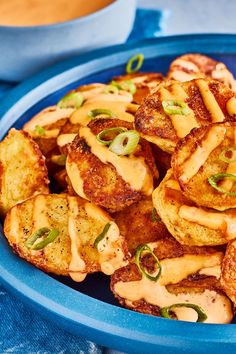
x=23, y=172
x=93, y=168
x=203, y=102
x=144, y=83
x=202, y=155
x=228, y=274
x=73, y=252
x=185, y=278
x=140, y=223
x=192, y=66
x=189, y=224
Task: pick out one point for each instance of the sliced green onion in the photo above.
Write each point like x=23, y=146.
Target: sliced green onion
x=72, y=100
x=126, y=85
x=223, y=155
x=165, y=311
x=100, y=111
x=52, y=235
x=103, y=133
x=102, y=235
x=138, y=256
x=59, y=159
x=111, y=89
x=39, y=130
x=175, y=107
x=130, y=67
x=155, y=217
x=214, y=179
x=125, y=143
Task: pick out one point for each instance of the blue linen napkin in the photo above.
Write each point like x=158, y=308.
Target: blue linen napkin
x=23, y=331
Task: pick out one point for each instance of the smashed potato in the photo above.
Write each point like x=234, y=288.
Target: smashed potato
x=22, y=170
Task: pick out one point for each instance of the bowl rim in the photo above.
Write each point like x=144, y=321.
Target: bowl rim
x=177, y=333
x=112, y=6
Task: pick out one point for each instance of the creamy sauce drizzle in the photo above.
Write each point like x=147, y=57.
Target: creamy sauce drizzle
x=40, y=218
x=231, y=106
x=64, y=139
x=133, y=170
x=75, y=178
x=228, y=183
x=216, y=306
x=191, y=166
x=80, y=116
x=182, y=124
x=226, y=222
x=210, y=102
x=48, y=116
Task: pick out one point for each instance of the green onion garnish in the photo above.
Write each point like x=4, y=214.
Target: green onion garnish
x=165, y=311
x=155, y=217
x=231, y=151
x=214, y=179
x=100, y=111
x=138, y=256
x=72, y=100
x=125, y=143
x=111, y=89
x=102, y=235
x=130, y=67
x=51, y=236
x=103, y=133
x=126, y=85
x=59, y=159
x=175, y=107
x=39, y=130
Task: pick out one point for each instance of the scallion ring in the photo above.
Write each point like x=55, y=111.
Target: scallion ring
x=111, y=89
x=72, y=100
x=51, y=236
x=138, y=256
x=125, y=85
x=100, y=111
x=223, y=155
x=130, y=67
x=39, y=130
x=175, y=107
x=214, y=179
x=125, y=143
x=102, y=235
x=165, y=311
x=100, y=136
x=59, y=160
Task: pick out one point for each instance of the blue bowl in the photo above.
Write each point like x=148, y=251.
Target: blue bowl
x=26, y=50
x=89, y=308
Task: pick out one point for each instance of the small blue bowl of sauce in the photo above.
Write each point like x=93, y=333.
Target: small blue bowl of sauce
x=34, y=37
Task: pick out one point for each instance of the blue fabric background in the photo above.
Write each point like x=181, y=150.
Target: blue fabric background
x=23, y=331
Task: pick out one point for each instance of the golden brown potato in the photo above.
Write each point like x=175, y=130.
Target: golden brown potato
x=198, y=157
x=188, y=105
x=22, y=170
x=188, y=223
x=228, y=274
x=45, y=126
x=74, y=251
x=188, y=275
x=192, y=66
x=103, y=177
x=140, y=223
x=144, y=83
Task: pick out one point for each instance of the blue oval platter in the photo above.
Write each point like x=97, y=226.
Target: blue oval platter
x=88, y=308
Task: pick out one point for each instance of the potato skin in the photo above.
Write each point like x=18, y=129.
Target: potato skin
x=168, y=201
x=198, y=189
x=139, y=224
x=155, y=125
x=23, y=172
x=101, y=183
x=228, y=275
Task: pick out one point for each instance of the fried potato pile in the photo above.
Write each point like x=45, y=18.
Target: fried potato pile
x=142, y=174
